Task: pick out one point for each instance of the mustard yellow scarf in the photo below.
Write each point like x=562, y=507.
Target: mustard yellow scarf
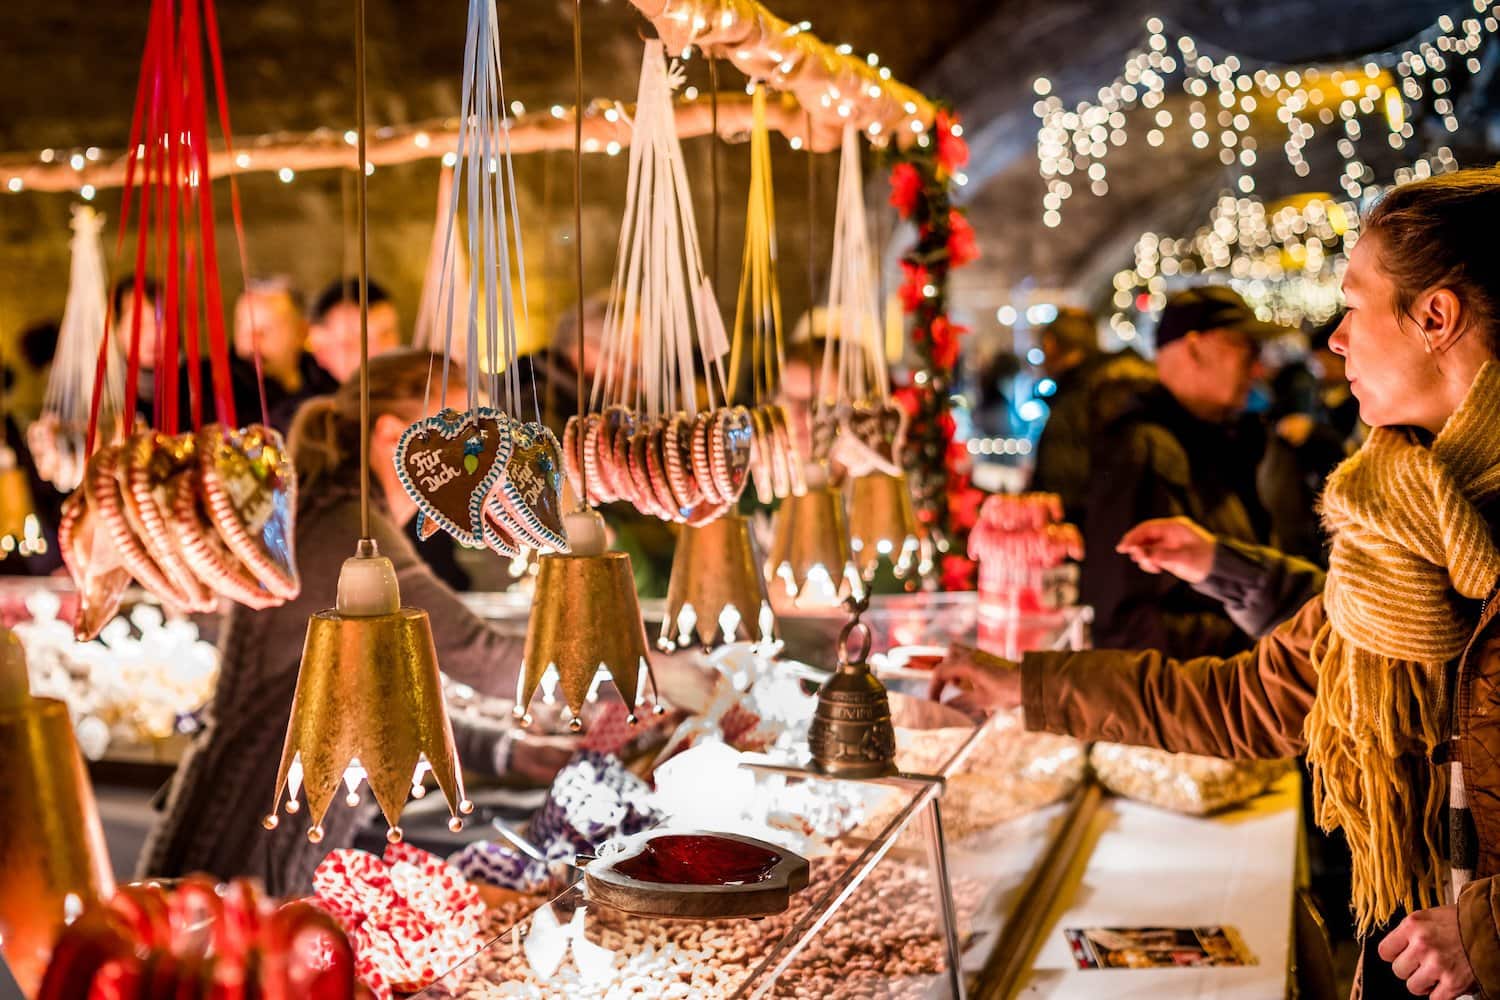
x=1409, y=543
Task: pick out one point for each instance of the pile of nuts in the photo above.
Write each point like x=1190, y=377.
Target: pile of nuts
x=883, y=942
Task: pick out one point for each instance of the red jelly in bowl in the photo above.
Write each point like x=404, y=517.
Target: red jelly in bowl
x=699, y=859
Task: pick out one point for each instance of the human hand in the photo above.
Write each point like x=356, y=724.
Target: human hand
x=538, y=759
x=1178, y=545
x=1426, y=951
x=988, y=681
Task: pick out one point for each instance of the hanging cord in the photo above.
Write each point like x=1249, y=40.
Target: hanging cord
x=364, y=274
x=578, y=185
x=812, y=229
x=713, y=159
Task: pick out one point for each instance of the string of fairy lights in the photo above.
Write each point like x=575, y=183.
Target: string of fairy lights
x=1226, y=101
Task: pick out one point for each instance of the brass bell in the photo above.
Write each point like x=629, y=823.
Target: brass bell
x=52, y=855
x=882, y=524
x=585, y=617
x=716, y=593
x=810, y=560
x=852, y=735
x=369, y=704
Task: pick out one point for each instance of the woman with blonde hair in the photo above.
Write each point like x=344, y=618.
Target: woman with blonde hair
x=1389, y=681
x=224, y=785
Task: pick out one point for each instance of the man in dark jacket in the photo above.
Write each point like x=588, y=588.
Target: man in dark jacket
x=1092, y=387
x=1181, y=449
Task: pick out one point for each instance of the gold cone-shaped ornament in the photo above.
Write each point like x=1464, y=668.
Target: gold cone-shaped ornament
x=52, y=855
x=717, y=594
x=369, y=704
x=882, y=524
x=585, y=618
x=810, y=563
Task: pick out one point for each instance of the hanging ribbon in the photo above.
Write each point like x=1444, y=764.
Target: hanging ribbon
x=757, y=316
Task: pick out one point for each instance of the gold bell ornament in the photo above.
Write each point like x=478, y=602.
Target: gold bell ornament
x=369, y=705
x=882, y=524
x=810, y=561
x=852, y=735
x=585, y=624
x=716, y=594
x=52, y=855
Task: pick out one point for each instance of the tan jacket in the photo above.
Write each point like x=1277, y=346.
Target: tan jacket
x=1253, y=705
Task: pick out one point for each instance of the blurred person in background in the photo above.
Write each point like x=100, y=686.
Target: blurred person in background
x=1092, y=388
x=270, y=318
x=333, y=331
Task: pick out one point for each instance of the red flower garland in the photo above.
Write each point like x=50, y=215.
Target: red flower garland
x=947, y=502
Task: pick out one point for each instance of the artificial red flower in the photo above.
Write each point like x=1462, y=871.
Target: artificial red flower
x=963, y=507
x=952, y=151
x=958, y=573
x=945, y=342
x=963, y=248
x=906, y=188
x=913, y=289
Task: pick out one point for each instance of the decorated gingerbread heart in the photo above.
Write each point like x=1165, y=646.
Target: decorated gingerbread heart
x=498, y=536
x=148, y=462
x=109, y=506
x=94, y=564
x=729, y=451
x=762, y=475
x=787, y=448
x=449, y=463
x=204, y=549
x=531, y=488
x=250, y=494
x=703, y=472
x=677, y=453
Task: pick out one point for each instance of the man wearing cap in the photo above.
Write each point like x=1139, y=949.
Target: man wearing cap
x=1181, y=450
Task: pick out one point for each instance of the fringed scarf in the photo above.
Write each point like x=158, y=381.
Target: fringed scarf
x=1409, y=545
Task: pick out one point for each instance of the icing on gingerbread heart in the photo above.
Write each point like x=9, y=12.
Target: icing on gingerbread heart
x=703, y=471
x=729, y=451
x=449, y=463
x=94, y=564
x=250, y=493
x=204, y=550
x=147, y=461
x=531, y=489
x=619, y=428
x=677, y=453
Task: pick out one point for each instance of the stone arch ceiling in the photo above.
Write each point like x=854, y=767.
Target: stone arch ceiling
x=71, y=71
x=1080, y=46
x=71, y=76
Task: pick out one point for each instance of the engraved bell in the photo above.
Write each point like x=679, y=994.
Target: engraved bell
x=852, y=735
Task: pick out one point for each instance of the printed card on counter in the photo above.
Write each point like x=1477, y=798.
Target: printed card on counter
x=1157, y=947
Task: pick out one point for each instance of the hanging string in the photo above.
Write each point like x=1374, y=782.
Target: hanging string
x=364, y=273
x=578, y=190
x=812, y=228
x=713, y=158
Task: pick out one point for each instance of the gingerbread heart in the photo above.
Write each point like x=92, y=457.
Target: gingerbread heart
x=827, y=422
x=572, y=442
x=729, y=451
x=893, y=419
x=250, y=494
x=109, y=506
x=703, y=472
x=147, y=462
x=497, y=533
x=656, y=471
x=592, y=458
x=677, y=453
x=531, y=488
x=94, y=564
x=204, y=550
x=619, y=428
x=642, y=495
x=449, y=463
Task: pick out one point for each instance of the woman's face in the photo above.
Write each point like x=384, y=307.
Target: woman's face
x=1386, y=360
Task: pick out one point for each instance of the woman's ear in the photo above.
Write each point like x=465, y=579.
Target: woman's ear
x=1439, y=314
